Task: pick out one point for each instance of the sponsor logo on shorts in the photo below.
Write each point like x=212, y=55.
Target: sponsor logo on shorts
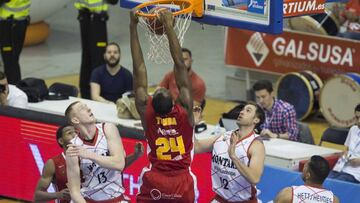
x=155, y=194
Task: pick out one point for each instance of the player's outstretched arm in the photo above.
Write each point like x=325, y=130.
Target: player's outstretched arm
x=139, y=68
x=180, y=71
x=73, y=176
x=41, y=194
x=204, y=145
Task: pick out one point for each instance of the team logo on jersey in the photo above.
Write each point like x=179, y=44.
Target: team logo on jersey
x=155, y=194
x=166, y=132
x=226, y=162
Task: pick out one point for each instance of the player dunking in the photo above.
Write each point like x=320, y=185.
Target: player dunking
x=102, y=158
x=237, y=158
x=168, y=126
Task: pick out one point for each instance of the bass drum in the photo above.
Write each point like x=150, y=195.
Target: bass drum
x=338, y=99
x=301, y=90
x=323, y=24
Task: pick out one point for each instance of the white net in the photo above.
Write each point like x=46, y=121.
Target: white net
x=159, y=51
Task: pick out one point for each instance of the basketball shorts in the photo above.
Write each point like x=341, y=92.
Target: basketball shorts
x=172, y=186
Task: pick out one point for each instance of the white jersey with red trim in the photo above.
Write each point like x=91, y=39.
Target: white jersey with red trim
x=98, y=183
x=227, y=181
x=308, y=194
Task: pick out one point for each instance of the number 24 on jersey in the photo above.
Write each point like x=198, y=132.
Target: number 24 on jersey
x=166, y=145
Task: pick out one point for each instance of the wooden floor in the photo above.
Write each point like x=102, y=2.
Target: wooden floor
x=214, y=109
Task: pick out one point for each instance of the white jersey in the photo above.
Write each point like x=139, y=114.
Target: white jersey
x=308, y=194
x=98, y=183
x=227, y=181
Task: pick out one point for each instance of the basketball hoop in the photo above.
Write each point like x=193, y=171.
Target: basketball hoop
x=182, y=11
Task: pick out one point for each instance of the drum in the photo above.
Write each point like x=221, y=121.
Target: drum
x=338, y=99
x=323, y=24
x=301, y=90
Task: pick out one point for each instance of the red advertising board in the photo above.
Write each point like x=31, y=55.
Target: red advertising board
x=26, y=145
x=291, y=51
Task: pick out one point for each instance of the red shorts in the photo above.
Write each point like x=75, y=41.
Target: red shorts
x=219, y=199
x=173, y=186
x=120, y=199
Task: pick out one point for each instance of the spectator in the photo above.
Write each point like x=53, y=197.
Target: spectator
x=349, y=165
x=280, y=119
x=348, y=16
x=10, y=95
x=92, y=17
x=14, y=19
x=111, y=80
x=314, y=174
x=198, y=84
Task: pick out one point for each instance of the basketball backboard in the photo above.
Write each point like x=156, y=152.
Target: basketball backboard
x=256, y=15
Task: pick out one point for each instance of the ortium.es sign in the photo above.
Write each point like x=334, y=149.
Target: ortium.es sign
x=303, y=7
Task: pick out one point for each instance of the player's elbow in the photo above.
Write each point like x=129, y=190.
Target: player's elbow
x=120, y=164
x=255, y=179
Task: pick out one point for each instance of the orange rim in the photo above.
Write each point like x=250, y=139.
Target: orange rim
x=186, y=3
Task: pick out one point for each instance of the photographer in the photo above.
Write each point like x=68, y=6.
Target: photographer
x=10, y=95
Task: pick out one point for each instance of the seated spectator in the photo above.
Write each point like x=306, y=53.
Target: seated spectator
x=280, y=119
x=348, y=16
x=111, y=80
x=198, y=84
x=10, y=95
x=348, y=167
x=314, y=174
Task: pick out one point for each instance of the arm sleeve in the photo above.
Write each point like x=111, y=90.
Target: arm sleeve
x=21, y=102
x=348, y=138
x=199, y=90
x=95, y=76
x=290, y=124
x=129, y=82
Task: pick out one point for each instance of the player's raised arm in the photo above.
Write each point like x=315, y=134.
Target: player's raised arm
x=139, y=68
x=181, y=75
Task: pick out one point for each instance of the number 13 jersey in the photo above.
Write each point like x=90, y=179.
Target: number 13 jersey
x=98, y=183
x=227, y=181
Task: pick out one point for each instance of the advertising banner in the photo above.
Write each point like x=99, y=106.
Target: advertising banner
x=27, y=145
x=303, y=7
x=291, y=52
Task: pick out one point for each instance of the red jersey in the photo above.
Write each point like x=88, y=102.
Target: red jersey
x=170, y=138
x=60, y=178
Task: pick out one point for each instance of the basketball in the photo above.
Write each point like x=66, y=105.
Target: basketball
x=155, y=24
